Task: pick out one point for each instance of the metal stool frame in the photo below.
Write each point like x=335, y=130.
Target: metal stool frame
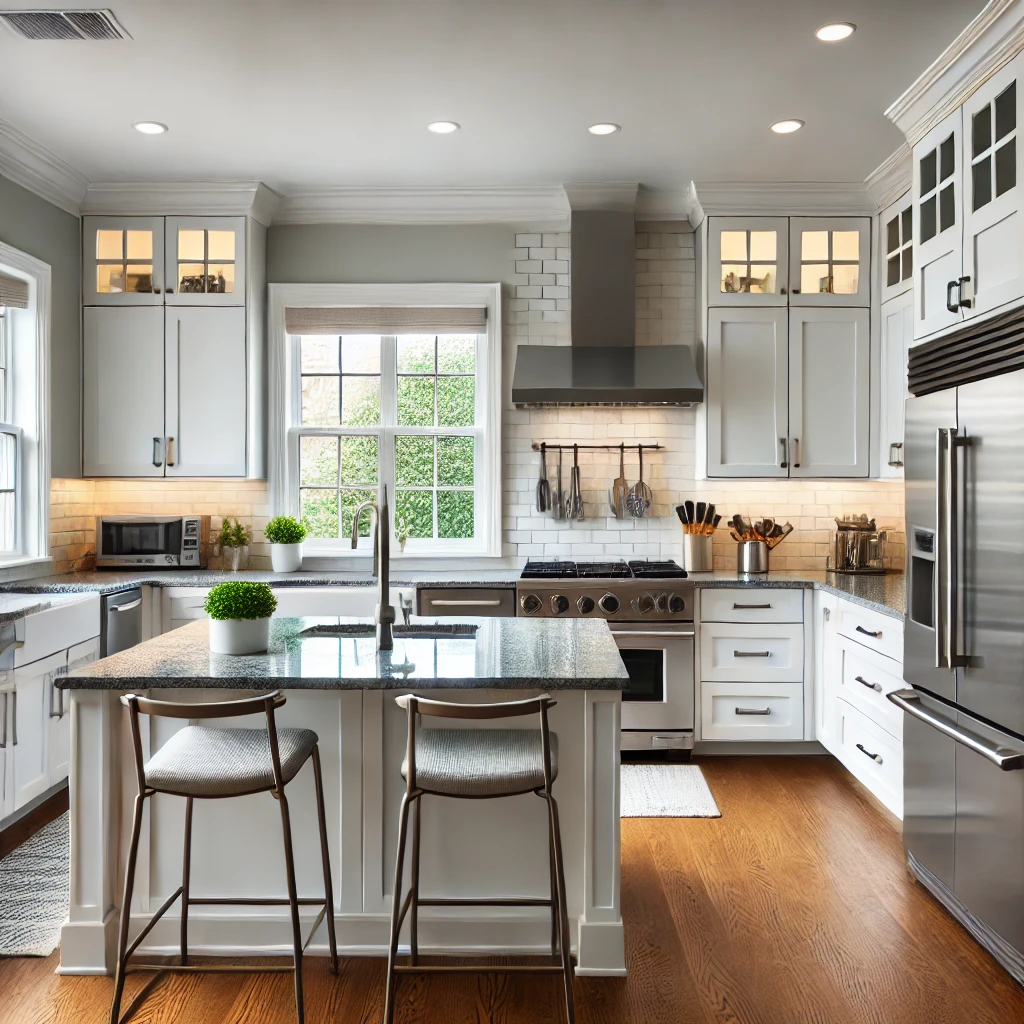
x=266, y=704
x=416, y=706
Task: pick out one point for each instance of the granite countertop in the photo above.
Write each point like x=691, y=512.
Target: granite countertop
x=504, y=653
x=17, y=606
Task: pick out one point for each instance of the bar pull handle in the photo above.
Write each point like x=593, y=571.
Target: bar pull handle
x=896, y=453
x=752, y=711
x=3, y=741
x=796, y=452
x=784, y=441
x=170, y=457
x=59, y=693
x=867, y=753
x=125, y=607
x=445, y=603
x=750, y=607
x=1002, y=757
x=876, y=634
x=953, y=307
x=964, y=303
x=751, y=654
x=14, y=717
x=877, y=687
x=158, y=458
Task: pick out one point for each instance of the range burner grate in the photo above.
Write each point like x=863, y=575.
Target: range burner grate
x=619, y=570
x=549, y=571
x=657, y=570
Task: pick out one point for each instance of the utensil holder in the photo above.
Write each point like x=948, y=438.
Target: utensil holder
x=697, y=553
x=752, y=556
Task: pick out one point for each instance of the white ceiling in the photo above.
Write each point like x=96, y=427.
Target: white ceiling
x=338, y=93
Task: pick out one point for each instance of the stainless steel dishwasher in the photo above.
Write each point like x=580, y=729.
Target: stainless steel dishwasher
x=121, y=621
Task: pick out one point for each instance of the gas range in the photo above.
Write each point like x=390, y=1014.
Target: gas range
x=623, y=591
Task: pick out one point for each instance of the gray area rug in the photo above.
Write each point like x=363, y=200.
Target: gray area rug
x=665, y=791
x=35, y=884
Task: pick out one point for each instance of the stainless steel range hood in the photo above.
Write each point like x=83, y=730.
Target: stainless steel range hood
x=603, y=366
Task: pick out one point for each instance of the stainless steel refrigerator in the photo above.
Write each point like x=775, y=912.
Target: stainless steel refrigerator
x=963, y=739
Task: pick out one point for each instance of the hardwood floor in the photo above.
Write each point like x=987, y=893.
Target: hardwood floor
x=794, y=908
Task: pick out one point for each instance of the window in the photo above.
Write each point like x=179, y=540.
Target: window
x=10, y=449
x=416, y=411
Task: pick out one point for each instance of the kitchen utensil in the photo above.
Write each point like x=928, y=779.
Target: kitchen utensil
x=640, y=497
x=620, y=487
x=715, y=522
x=780, y=534
x=558, y=501
x=705, y=524
x=698, y=518
x=857, y=546
x=752, y=557
x=691, y=512
x=543, y=487
x=681, y=513
x=735, y=536
x=575, y=510
x=696, y=553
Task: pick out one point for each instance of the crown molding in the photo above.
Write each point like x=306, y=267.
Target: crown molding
x=664, y=204
x=30, y=165
x=992, y=39
x=182, y=198
x=891, y=178
x=602, y=195
x=781, y=198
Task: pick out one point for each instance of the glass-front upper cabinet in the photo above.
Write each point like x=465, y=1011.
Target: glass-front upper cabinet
x=896, y=247
x=748, y=261
x=123, y=261
x=205, y=261
x=829, y=261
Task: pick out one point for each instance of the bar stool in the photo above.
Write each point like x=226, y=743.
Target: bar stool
x=200, y=762
x=477, y=764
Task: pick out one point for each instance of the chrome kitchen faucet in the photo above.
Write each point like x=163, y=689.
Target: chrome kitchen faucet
x=384, y=613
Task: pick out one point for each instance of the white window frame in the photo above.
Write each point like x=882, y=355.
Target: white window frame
x=28, y=334
x=283, y=412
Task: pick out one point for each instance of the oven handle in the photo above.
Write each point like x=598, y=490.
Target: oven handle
x=682, y=634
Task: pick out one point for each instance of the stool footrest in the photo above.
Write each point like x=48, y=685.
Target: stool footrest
x=496, y=901
x=253, y=901
x=486, y=969
x=214, y=968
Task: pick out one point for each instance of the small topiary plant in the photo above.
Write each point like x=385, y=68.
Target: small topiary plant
x=233, y=536
x=239, y=600
x=285, y=530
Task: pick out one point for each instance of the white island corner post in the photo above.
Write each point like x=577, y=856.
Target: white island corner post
x=344, y=690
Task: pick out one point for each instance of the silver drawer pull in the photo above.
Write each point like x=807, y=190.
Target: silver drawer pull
x=877, y=687
x=877, y=758
x=751, y=654
x=750, y=607
x=442, y=603
x=752, y=711
x=867, y=632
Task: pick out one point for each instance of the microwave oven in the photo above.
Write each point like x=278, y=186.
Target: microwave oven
x=166, y=542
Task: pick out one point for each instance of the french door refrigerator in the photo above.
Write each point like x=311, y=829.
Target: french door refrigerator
x=963, y=737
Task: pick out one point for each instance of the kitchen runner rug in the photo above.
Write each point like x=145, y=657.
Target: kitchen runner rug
x=665, y=791
x=35, y=882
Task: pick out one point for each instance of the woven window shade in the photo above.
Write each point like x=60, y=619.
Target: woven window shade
x=13, y=292
x=385, y=320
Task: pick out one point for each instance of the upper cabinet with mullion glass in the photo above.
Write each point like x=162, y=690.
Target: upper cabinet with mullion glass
x=205, y=261
x=748, y=261
x=993, y=268
x=896, y=247
x=829, y=261
x=123, y=261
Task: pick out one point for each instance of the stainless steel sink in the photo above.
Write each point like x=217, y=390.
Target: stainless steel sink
x=419, y=631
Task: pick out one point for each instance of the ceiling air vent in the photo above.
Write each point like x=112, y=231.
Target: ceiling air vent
x=45, y=25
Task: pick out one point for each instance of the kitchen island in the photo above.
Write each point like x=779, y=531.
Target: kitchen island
x=340, y=686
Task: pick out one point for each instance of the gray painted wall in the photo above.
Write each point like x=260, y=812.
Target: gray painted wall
x=42, y=230
x=387, y=254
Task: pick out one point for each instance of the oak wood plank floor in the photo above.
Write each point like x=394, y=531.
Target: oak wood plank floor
x=795, y=907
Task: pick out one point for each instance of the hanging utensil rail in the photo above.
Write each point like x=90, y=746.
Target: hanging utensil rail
x=629, y=447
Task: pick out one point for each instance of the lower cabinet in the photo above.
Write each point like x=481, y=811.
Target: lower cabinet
x=752, y=711
x=6, y=747
x=33, y=694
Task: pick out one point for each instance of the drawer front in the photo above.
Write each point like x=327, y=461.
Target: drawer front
x=880, y=633
x=68, y=621
x=865, y=680
x=751, y=604
x=466, y=601
x=752, y=711
x=770, y=653
x=873, y=755
x=187, y=603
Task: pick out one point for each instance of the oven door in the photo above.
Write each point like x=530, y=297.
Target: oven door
x=138, y=541
x=659, y=698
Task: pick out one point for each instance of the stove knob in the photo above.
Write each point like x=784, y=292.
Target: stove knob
x=585, y=605
x=676, y=604
x=609, y=604
x=559, y=604
x=645, y=604
x=661, y=603
x=531, y=604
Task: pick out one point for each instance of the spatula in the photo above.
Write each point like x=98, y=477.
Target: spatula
x=620, y=487
x=543, y=487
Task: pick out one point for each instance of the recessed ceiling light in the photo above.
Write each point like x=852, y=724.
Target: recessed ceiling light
x=150, y=127
x=443, y=127
x=835, y=32
x=604, y=128
x=790, y=124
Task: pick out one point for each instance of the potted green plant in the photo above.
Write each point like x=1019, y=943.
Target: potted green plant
x=234, y=545
x=286, y=536
x=240, y=615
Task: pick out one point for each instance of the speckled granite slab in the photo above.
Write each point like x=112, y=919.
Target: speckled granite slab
x=513, y=654
x=17, y=606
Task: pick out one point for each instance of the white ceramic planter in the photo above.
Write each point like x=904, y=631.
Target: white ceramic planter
x=239, y=636
x=286, y=557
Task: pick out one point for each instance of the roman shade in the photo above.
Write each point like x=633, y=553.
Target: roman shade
x=385, y=319
x=13, y=292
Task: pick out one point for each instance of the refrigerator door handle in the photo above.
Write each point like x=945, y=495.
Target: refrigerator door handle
x=941, y=573
x=1002, y=757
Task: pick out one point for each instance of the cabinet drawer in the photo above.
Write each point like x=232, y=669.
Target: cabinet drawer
x=864, y=681
x=187, y=603
x=751, y=604
x=881, y=633
x=770, y=653
x=752, y=711
x=872, y=755
x=466, y=601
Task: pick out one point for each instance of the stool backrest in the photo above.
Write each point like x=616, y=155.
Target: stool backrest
x=266, y=704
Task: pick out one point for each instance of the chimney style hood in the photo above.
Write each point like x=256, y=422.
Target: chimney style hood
x=603, y=366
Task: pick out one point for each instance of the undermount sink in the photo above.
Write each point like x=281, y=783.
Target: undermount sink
x=419, y=631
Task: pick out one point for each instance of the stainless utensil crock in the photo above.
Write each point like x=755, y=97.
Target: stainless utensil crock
x=752, y=556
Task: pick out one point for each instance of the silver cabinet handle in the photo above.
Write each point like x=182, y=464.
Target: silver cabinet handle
x=125, y=607
x=1001, y=757
x=867, y=753
x=877, y=634
x=784, y=441
x=750, y=607
x=752, y=711
x=897, y=458
x=3, y=742
x=14, y=718
x=444, y=603
x=751, y=654
x=170, y=458
x=877, y=687
x=158, y=456
x=55, y=690
x=796, y=452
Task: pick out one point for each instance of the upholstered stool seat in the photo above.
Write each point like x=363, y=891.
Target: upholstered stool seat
x=481, y=762
x=205, y=762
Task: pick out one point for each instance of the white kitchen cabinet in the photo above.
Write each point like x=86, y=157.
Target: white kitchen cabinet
x=748, y=261
x=754, y=712
x=123, y=391
x=58, y=740
x=122, y=261
x=771, y=652
x=30, y=726
x=896, y=247
x=205, y=258
x=6, y=746
x=747, y=393
x=897, y=321
x=205, y=395
x=829, y=392
x=829, y=261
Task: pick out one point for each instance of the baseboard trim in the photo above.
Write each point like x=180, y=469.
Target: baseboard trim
x=34, y=816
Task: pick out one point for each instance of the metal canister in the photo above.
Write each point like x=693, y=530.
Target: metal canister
x=752, y=556
x=697, y=552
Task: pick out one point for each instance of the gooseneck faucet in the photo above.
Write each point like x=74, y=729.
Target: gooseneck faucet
x=385, y=613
